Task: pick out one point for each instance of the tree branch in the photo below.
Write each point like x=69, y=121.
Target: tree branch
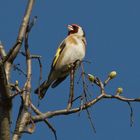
x=24, y=115
x=45, y=120
x=86, y=105
x=5, y=105
x=71, y=95
x=51, y=114
x=15, y=50
x=2, y=51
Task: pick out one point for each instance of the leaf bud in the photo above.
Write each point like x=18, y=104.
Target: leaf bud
x=112, y=74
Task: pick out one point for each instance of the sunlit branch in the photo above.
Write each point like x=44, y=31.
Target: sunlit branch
x=2, y=51
x=45, y=120
x=15, y=50
x=24, y=115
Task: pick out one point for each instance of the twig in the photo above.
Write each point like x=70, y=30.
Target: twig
x=91, y=122
x=77, y=98
x=121, y=98
x=35, y=56
x=71, y=95
x=45, y=120
x=51, y=114
x=12, y=54
x=32, y=23
x=30, y=127
x=15, y=50
x=17, y=89
x=85, y=97
x=131, y=114
x=15, y=67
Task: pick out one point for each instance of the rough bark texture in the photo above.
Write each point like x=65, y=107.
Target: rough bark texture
x=5, y=106
x=5, y=120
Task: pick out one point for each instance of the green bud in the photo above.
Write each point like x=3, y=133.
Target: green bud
x=16, y=83
x=91, y=78
x=119, y=90
x=112, y=74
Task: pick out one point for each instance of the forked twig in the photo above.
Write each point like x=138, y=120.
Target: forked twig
x=45, y=120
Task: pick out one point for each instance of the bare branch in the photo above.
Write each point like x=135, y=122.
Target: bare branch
x=85, y=106
x=32, y=23
x=121, y=98
x=71, y=95
x=15, y=50
x=131, y=114
x=14, y=87
x=51, y=114
x=45, y=120
x=85, y=90
x=2, y=51
x=16, y=67
x=91, y=122
x=21, y=123
x=24, y=115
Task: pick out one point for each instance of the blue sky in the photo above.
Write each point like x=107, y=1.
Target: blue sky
x=113, y=36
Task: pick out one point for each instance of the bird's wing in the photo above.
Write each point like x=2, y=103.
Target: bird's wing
x=58, y=53
x=55, y=59
x=58, y=81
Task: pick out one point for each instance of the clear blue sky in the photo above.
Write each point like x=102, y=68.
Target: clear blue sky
x=113, y=36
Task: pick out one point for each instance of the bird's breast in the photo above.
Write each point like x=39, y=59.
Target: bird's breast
x=72, y=52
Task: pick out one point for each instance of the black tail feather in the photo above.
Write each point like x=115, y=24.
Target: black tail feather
x=42, y=89
x=58, y=81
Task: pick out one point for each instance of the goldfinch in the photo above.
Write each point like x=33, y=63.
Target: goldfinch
x=71, y=49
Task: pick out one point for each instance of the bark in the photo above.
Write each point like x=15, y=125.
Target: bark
x=5, y=72
x=5, y=106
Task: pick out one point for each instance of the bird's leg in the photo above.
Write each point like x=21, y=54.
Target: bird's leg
x=71, y=95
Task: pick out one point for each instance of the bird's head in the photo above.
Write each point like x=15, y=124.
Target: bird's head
x=75, y=29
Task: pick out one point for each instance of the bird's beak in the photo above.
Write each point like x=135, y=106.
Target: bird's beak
x=70, y=28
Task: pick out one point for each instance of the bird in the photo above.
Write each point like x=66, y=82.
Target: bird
x=70, y=50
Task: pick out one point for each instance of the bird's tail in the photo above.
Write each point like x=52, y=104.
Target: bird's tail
x=42, y=89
